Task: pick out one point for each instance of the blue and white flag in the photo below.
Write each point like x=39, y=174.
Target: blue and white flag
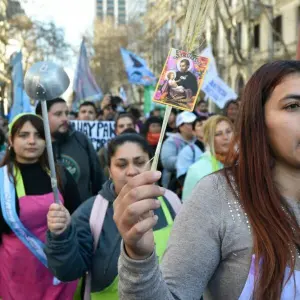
x=137, y=69
x=217, y=90
x=85, y=86
x=21, y=102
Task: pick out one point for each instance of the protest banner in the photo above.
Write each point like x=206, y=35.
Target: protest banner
x=99, y=132
x=181, y=79
x=217, y=90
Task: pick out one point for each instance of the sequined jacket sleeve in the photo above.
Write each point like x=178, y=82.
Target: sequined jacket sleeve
x=192, y=256
x=210, y=249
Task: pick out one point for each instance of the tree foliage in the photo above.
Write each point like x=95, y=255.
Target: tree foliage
x=39, y=40
x=106, y=63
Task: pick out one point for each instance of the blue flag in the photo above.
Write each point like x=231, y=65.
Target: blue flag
x=21, y=102
x=137, y=69
x=85, y=86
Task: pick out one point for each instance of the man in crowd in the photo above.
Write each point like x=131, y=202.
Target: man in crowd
x=87, y=111
x=123, y=122
x=73, y=149
x=109, y=107
x=109, y=112
x=201, y=109
x=172, y=146
x=191, y=152
x=156, y=112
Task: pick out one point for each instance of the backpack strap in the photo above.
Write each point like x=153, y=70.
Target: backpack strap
x=96, y=224
x=177, y=142
x=192, y=146
x=173, y=200
x=97, y=218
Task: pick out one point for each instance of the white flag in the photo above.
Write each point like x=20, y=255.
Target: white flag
x=212, y=66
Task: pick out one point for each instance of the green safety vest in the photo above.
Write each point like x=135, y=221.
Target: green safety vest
x=161, y=237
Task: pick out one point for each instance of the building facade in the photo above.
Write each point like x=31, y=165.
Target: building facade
x=114, y=9
x=247, y=34
x=163, y=27
x=243, y=34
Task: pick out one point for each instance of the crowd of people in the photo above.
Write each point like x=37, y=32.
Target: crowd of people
x=218, y=220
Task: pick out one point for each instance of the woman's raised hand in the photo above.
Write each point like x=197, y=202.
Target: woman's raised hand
x=133, y=213
x=58, y=218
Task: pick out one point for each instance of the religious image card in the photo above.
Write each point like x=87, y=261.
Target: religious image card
x=181, y=79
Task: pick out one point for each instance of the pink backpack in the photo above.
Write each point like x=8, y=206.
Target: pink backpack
x=96, y=223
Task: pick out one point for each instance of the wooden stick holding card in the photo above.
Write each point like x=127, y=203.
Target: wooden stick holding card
x=179, y=86
x=183, y=73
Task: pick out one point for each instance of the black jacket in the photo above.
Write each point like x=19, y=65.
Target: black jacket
x=79, y=157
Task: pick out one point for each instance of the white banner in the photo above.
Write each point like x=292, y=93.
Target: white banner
x=213, y=86
x=212, y=66
x=217, y=90
x=99, y=132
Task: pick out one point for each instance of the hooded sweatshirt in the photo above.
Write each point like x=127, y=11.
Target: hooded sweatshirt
x=77, y=154
x=70, y=255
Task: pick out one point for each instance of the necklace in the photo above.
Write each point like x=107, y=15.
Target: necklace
x=292, y=248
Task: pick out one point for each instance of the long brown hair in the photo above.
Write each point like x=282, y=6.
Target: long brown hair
x=272, y=228
x=10, y=155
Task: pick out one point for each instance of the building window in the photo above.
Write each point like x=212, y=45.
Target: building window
x=239, y=35
x=256, y=38
x=277, y=27
x=240, y=84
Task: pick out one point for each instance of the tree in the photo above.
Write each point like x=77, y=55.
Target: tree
x=39, y=40
x=107, y=63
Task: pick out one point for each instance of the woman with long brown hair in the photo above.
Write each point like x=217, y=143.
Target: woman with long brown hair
x=25, y=197
x=238, y=234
